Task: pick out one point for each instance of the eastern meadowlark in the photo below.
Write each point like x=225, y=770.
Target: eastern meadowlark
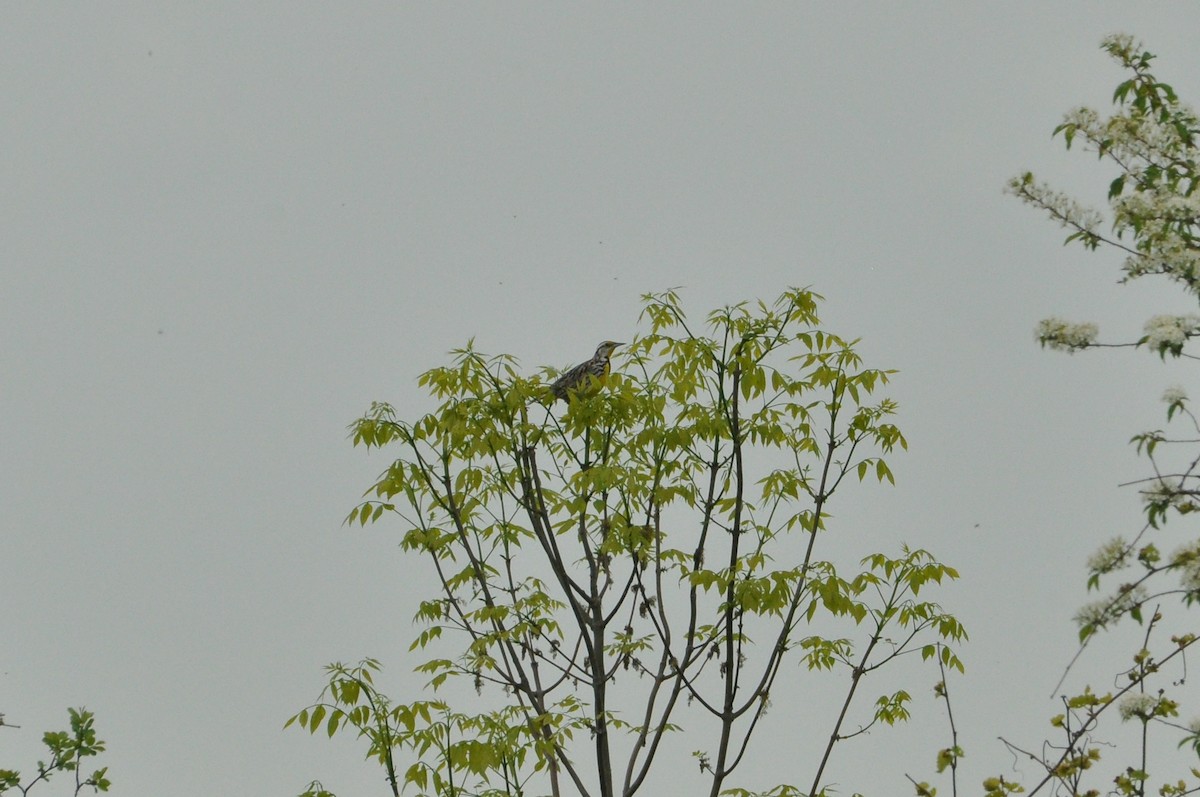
x=585, y=373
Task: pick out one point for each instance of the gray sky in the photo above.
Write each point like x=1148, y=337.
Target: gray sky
x=225, y=231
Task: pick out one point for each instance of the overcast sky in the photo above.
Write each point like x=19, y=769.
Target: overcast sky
x=225, y=230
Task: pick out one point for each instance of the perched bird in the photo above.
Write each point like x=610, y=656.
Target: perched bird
x=586, y=372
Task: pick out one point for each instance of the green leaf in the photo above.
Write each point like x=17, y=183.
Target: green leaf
x=315, y=718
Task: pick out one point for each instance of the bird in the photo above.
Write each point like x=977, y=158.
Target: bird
x=586, y=372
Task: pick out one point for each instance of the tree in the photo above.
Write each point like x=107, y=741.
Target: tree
x=1151, y=141
x=659, y=540
x=67, y=751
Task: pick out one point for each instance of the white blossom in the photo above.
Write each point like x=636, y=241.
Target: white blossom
x=1094, y=613
x=1107, y=611
x=1175, y=394
x=1137, y=704
x=1113, y=555
x=1055, y=333
x=1141, y=206
x=1129, y=599
x=1139, y=138
x=1164, y=491
x=1182, y=208
x=1063, y=208
x=1187, y=559
x=1084, y=123
x=1169, y=332
x=1174, y=259
x=1121, y=45
x=1083, y=118
x=1194, y=725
